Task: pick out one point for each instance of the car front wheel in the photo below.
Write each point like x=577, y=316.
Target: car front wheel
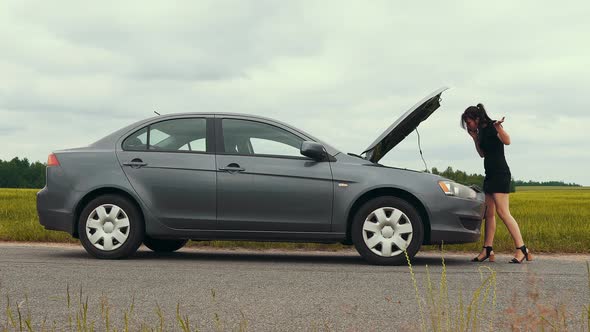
x=111, y=227
x=385, y=227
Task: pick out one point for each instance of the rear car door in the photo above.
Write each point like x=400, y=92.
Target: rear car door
x=171, y=165
x=264, y=183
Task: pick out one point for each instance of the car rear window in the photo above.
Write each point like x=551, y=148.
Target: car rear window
x=186, y=134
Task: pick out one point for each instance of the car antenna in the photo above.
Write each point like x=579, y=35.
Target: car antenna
x=156, y=112
x=420, y=148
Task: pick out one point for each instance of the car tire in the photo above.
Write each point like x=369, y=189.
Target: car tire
x=111, y=227
x=383, y=226
x=160, y=245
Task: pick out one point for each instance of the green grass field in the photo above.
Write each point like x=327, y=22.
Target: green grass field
x=551, y=220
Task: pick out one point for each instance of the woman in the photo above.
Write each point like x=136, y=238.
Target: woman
x=489, y=138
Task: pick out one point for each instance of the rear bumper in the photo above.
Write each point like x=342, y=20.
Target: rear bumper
x=459, y=221
x=52, y=214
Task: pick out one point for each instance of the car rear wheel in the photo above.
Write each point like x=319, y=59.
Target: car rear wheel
x=159, y=245
x=385, y=227
x=111, y=227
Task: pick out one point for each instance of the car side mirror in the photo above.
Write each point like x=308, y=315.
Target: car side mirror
x=313, y=150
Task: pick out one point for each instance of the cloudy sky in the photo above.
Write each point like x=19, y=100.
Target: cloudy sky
x=71, y=72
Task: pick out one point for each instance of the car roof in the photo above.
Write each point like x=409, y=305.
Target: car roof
x=107, y=140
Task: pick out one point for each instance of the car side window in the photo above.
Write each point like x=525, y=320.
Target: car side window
x=186, y=134
x=196, y=145
x=257, y=138
x=137, y=141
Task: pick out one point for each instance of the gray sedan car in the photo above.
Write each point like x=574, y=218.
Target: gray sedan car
x=220, y=176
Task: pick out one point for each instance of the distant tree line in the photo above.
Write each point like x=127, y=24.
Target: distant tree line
x=20, y=173
x=465, y=178
x=477, y=179
x=546, y=183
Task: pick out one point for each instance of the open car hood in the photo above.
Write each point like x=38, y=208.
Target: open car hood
x=403, y=126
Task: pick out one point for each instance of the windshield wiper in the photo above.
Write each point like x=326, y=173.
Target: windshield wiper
x=355, y=155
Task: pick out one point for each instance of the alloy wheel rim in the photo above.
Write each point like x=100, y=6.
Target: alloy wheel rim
x=387, y=231
x=107, y=227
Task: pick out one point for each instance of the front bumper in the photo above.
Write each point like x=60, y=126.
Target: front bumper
x=51, y=213
x=457, y=220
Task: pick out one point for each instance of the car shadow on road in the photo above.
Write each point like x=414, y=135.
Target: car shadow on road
x=286, y=257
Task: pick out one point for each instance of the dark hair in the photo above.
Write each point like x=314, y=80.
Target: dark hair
x=473, y=113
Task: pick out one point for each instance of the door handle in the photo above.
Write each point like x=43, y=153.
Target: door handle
x=135, y=163
x=233, y=167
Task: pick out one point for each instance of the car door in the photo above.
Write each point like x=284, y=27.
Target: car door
x=264, y=183
x=171, y=165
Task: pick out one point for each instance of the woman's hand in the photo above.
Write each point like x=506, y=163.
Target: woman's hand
x=472, y=133
x=502, y=134
x=498, y=123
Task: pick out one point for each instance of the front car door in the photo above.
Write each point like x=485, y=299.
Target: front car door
x=171, y=165
x=264, y=183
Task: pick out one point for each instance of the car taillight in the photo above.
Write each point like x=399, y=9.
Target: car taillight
x=52, y=160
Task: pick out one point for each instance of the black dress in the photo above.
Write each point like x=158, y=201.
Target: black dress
x=498, y=175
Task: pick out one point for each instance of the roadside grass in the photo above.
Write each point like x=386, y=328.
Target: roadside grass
x=477, y=312
x=438, y=311
x=555, y=220
x=81, y=316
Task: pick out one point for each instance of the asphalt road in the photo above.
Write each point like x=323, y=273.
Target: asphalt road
x=274, y=290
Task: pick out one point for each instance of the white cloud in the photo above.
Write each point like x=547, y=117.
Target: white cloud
x=344, y=71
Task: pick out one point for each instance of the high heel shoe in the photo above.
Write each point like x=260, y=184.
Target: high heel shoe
x=489, y=255
x=527, y=255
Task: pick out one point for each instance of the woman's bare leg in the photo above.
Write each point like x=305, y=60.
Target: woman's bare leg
x=490, y=224
x=502, y=207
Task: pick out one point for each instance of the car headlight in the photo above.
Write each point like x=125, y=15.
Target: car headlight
x=451, y=188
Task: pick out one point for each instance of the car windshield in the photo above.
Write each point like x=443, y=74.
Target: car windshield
x=356, y=155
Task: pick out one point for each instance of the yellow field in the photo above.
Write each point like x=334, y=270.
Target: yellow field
x=18, y=218
x=556, y=220
x=551, y=220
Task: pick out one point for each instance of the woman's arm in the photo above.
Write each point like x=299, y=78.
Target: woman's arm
x=502, y=134
x=476, y=141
